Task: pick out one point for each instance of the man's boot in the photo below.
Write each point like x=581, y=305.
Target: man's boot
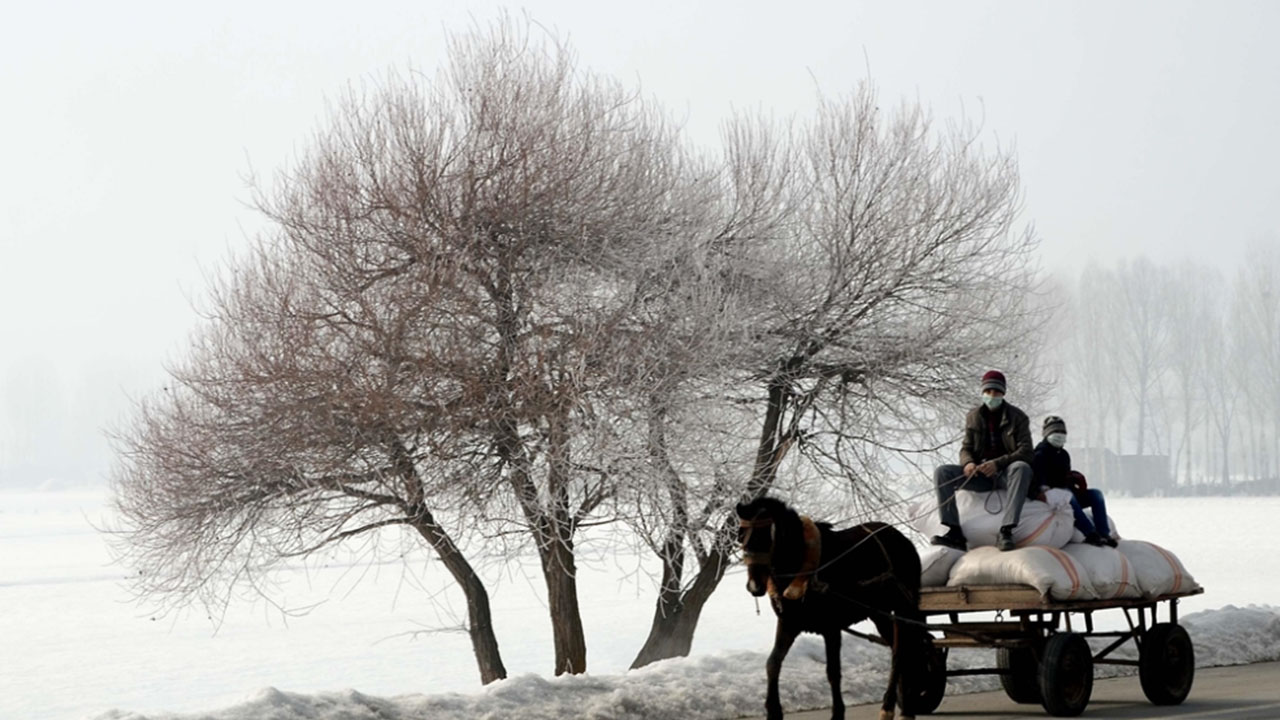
x=954, y=538
x=1005, y=540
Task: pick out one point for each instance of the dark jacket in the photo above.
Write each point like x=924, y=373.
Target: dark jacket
x=1052, y=467
x=1015, y=436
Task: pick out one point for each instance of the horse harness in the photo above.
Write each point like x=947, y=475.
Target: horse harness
x=808, y=567
x=807, y=574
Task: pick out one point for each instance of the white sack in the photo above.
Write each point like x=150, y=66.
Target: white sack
x=981, y=514
x=1159, y=571
x=935, y=565
x=1050, y=570
x=1108, y=569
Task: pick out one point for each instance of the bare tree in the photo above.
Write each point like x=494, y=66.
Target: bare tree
x=1258, y=303
x=1091, y=367
x=893, y=277
x=1185, y=352
x=286, y=430
x=1223, y=344
x=1144, y=339
x=1194, y=307
x=454, y=302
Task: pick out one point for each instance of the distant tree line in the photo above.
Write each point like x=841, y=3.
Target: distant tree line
x=1177, y=360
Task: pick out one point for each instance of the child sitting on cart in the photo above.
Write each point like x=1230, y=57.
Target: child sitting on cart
x=1051, y=465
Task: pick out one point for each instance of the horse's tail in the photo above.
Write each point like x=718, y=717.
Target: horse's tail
x=913, y=645
x=913, y=639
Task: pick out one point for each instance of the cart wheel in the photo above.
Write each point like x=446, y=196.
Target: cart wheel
x=1022, y=683
x=1166, y=664
x=1066, y=675
x=932, y=681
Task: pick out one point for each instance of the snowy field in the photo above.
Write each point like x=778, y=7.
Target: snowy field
x=73, y=645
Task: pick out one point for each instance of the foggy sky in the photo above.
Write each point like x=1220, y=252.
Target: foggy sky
x=129, y=129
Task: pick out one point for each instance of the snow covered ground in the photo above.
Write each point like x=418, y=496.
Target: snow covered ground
x=73, y=645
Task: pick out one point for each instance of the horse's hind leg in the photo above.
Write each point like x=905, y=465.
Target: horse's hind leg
x=781, y=645
x=909, y=656
x=889, y=631
x=833, y=673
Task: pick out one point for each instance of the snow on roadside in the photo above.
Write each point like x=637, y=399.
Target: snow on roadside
x=711, y=687
x=1235, y=636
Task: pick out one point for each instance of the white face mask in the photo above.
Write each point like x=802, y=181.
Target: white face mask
x=1057, y=439
x=993, y=402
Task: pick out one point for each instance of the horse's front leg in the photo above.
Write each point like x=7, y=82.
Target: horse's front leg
x=782, y=641
x=833, y=673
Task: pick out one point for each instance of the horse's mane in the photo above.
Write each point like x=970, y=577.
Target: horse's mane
x=775, y=508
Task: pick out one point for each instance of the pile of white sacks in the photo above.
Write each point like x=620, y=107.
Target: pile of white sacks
x=1051, y=556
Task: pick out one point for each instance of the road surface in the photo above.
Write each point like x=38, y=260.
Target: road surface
x=1245, y=692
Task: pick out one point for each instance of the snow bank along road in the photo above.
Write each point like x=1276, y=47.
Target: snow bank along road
x=1247, y=692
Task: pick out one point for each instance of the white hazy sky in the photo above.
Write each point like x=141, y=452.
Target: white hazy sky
x=127, y=128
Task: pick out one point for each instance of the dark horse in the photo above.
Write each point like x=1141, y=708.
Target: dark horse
x=822, y=581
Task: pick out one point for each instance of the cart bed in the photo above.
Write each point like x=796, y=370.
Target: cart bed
x=972, y=598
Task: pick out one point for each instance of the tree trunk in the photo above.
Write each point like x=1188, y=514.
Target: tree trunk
x=677, y=614
x=1208, y=454
x=555, y=544
x=1189, y=464
x=1142, y=420
x=479, y=620
x=558, y=567
x=1275, y=440
x=552, y=530
x=1186, y=433
x=1226, y=458
x=671, y=632
x=1251, y=464
x=551, y=524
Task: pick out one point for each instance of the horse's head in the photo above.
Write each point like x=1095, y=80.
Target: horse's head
x=756, y=532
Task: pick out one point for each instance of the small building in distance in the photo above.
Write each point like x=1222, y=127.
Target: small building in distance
x=1124, y=474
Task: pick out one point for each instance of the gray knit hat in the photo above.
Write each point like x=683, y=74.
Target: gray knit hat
x=1054, y=424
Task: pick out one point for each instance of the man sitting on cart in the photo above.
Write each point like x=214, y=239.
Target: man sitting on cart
x=1051, y=465
x=995, y=453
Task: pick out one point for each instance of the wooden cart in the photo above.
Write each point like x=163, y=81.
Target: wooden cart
x=1042, y=652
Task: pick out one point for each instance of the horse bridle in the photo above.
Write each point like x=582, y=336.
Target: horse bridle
x=755, y=558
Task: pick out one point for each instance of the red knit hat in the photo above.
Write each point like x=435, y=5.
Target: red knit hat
x=993, y=380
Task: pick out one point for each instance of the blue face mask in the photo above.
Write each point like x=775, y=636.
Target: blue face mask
x=992, y=402
x=1057, y=439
